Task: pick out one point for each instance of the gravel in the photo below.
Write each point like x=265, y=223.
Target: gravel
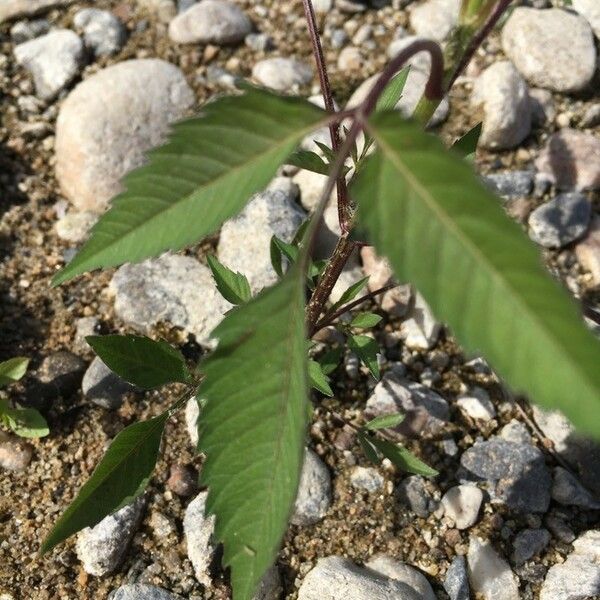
x=461, y=504
x=456, y=582
x=367, y=478
x=15, y=453
x=103, y=33
x=529, y=543
x=282, y=74
x=399, y=571
x=198, y=530
x=142, y=591
x=103, y=387
x=413, y=493
x=567, y=490
x=477, y=405
x=511, y=184
x=420, y=329
x=314, y=491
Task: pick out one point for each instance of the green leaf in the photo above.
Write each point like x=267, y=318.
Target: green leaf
x=365, y=320
x=234, y=287
x=366, y=348
x=311, y=161
x=385, y=421
x=328, y=153
x=140, y=360
x=203, y=176
x=330, y=360
x=393, y=91
x=253, y=426
x=351, y=293
x=318, y=380
x=368, y=449
x=427, y=211
x=466, y=146
x=12, y=370
x=402, y=458
x=121, y=476
x=25, y=422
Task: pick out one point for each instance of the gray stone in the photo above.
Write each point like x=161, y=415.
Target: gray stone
x=425, y=411
x=53, y=60
x=515, y=474
x=461, y=504
x=559, y=528
x=102, y=548
x=244, y=244
x=490, y=574
x=542, y=107
x=142, y=591
x=85, y=326
x=590, y=10
x=269, y=587
x=314, y=491
x=210, y=22
x=60, y=374
x=366, y=478
x=103, y=33
x=399, y=571
x=567, y=490
x=15, y=453
x=503, y=94
x=419, y=329
x=174, y=289
x=456, y=582
x=511, y=184
x=192, y=412
x=23, y=31
x=477, y=405
x=183, y=5
x=588, y=251
x=198, y=530
x=413, y=492
x=335, y=577
x=282, y=74
x=109, y=122
x=75, y=226
x=103, y=387
x=13, y=9
x=591, y=117
x=515, y=431
x=533, y=39
x=435, y=19
x=259, y=42
x=560, y=221
x=529, y=543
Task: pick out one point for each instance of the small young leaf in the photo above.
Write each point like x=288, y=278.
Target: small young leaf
x=393, y=91
x=288, y=250
x=121, y=476
x=12, y=370
x=366, y=348
x=140, y=360
x=318, y=380
x=326, y=150
x=299, y=235
x=25, y=422
x=234, y=287
x=467, y=144
x=351, y=293
x=276, y=257
x=311, y=161
x=402, y=458
x=368, y=449
x=330, y=360
x=385, y=421
x=365, y=320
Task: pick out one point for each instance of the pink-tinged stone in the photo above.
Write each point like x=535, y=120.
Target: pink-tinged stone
x=588, y=251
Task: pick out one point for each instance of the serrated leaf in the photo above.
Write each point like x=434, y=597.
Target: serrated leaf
x=328, y=153
x=366, y=348
x=318, y=380
x=393, y=91
x=139, y=360
x=253, y=426
x=402, y=458
x=384, y=421
x=330, y=360
x=368, y=449
x=203, y=176
x=311, y=161
x=234, y=287
x=440, y=228
x=351, y=293
x=12, y=370
x=121, y=476
x=365, y=320
x=466, y=145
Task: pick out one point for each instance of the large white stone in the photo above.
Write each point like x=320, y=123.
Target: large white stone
x=590, y=9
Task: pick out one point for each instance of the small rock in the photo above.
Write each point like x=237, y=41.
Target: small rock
x=533, y=39
x=516, y=474
x=567, y=490
x=419, y=329
x=183, y=480
x=75, y=226
x=571, y=159
x=435, y=19
x=192, y=412
x=270, y=587
x=323, y=6
x=142, y=591
x=559, y=529
x=456, y=583
x=503, y=93
x=588, y=251
x=515, y=431
x=23, y=31
x=103, y=33
x=490, y=575
x=282, y=74
x=314, y=491
x=367, y=478
x=15, y=453
x=350, y=59
x=511, y=184
x=335, y=577
x=591, y=117
x=60, y=374
x=198, y=530
x=210, y=22
x=103, y=387
x=53, y=60
x=560, y=221
x=102, y=548
x=399, y=571
x=477, y=405
x=244, y=244
x=259, y=42
x=13, y=9
x=529, y=543
x=591, y=11
x=542, y=107
x=165, y=10
x=413, y=493
x=461, y=504
x=162, y=527
x=85, y=326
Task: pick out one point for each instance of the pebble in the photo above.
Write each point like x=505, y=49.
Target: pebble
x=108, y=123
x=15, y=453
x=420, y=329
x=490, y=574
x=103, y=33
x=244, y=244
x=590, y=9
x=60, y=374
x=173, y=288
x=516, y=474
x=477, y=405
x=529, y=543
x=578, y=578
x=259, y=42
x=425, y=411
x=571, y=160
x=335, y=577
x=198, y=530
x=542, y=107
x=192, y=412
x=75, y=226
x=511, y=184
x=399, y=571
x=162, y=527
x=269, y=587
x=435, y=19
x=13, y=9
x=53, y=60
x=85, y=326
x=413, y=492
x=282, y=74
x=23, y=31
x=142, y=591
x=183, y=480
x=165, y=10
x=456, y=582
x=560, y=221
x=591, y=117
x=461, y=504
x=533, y=39
x=103, y=387
x=504, y=96
x=210, y=22
x=588, y=251
x=515, y=431
x=314, y=491
x=367, y=478
x=559, y=529
x=350, y=59
x=102, y=548
x=311, y=186
x=567, y=490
